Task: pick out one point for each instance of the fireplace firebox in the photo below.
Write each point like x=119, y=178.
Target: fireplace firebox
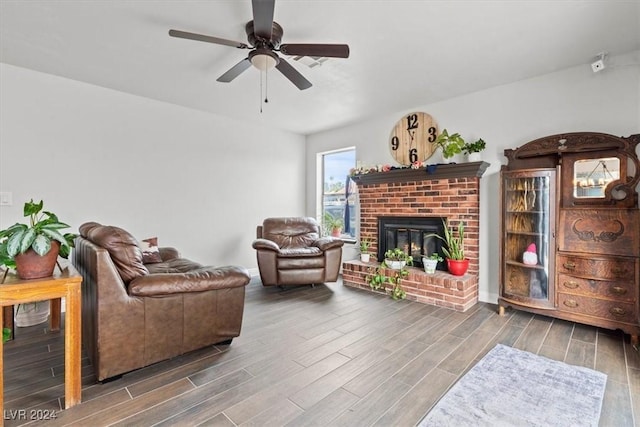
x=414, y=235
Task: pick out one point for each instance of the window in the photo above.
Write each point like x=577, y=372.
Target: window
x=338, y=210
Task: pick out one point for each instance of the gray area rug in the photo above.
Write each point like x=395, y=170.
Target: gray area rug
x=510, y=387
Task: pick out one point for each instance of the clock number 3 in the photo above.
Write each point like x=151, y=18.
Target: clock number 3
x=432, y=134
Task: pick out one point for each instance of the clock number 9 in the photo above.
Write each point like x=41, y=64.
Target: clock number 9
x=432, y=134
x=395, y=143
x=412, y=121
x=413, y=155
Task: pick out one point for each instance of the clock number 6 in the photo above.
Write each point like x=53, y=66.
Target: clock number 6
x=395, y=143
x=413, y=155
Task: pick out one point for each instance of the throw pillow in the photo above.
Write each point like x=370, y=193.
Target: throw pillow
x=150, y=251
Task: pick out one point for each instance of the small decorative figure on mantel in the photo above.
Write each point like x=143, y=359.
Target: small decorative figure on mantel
x=530, y=256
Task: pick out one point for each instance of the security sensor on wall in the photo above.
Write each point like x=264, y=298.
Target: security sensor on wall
x=598, y=64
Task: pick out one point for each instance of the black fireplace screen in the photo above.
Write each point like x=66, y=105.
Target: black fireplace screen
x=412, y=235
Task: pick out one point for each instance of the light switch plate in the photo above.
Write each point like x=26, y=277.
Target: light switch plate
x=6, y=198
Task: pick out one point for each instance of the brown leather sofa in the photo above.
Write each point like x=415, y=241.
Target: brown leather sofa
x=291, y=251
x=136, y=314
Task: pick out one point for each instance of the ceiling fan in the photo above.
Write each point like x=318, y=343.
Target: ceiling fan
x=264, y=36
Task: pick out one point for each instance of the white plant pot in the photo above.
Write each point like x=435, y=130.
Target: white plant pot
x=474, y=157
x=429, y=265
x=365, y=257
x=395, y=265
x=32, y=313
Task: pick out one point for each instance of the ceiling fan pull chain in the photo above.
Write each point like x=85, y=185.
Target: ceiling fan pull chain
x=266, y=86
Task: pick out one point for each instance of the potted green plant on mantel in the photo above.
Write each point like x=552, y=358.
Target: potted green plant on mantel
x=457, y=264
x=33, y=248
x=430, y=263
x=451, y=144
x=473, y=149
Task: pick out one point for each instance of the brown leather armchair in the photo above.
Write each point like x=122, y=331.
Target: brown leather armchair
x=136, y=314
x=290, y=251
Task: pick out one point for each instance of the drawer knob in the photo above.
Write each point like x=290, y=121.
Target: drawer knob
x=569, y=265
x=617, y=311
x=571, y=303
x=571, y=285
x=618, y=271
x=618, y=290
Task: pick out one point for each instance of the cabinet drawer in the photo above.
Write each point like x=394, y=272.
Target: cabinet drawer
x=602, y=268
x=616, y=290
x=611, y=310
x=600, y=231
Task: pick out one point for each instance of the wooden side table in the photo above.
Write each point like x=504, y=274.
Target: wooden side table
x=64, y=283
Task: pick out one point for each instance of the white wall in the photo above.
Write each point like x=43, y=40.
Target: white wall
x=507, y=116
x=198, y=181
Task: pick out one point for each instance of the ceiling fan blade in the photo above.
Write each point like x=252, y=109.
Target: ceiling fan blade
x=326, y=50
x=208, y=39
x=235, y=71
x=263, y=18
x=292, y=74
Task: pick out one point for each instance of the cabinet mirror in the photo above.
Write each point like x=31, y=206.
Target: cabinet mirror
x=591, y=176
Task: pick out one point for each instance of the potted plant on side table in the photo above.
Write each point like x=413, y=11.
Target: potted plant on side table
x=33, y=248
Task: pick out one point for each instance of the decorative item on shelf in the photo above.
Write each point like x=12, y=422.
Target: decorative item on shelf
x=413, y=138
x=450, y=144
x=33, y=249
x=32, y=313
x=430, y=262
x=473, y=149
x=530, y=256
x=364, y=248
x=332, y=224
x=397, y=259
x=457, y=264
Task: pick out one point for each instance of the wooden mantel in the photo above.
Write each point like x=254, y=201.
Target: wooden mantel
x=436, y=171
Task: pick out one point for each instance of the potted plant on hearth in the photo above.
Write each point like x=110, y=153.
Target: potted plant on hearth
x=364, y=250
x=451, y=144
x=396, y=259
x=33, y=248
x=454, y=252
x=332, y=225
x=431, y=262
x=473, y=149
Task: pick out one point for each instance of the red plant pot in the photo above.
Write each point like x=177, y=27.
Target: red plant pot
x=457, y=267
x=30, y=265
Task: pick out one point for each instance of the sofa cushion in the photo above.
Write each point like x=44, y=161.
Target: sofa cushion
x=122, y=247
x=150, y=250
x=291, y=232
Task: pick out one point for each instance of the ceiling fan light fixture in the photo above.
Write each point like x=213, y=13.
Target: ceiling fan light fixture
x=263, y=59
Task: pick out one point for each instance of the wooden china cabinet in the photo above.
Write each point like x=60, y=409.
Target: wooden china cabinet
x=570, y=230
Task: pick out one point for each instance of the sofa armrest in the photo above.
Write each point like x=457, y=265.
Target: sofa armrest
x=168, y=253
x=325, y=243
x=266, y=244
x=198, y=280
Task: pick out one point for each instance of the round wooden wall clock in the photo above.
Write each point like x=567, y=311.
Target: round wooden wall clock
x=412, y=138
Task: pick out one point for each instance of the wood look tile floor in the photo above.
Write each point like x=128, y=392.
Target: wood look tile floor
x=328, y=355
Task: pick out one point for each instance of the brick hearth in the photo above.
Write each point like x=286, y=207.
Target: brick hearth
x=451, y=191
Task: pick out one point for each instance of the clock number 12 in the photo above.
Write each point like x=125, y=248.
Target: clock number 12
x=412, y=121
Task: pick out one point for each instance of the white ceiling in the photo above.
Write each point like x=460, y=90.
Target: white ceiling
x=403, y=53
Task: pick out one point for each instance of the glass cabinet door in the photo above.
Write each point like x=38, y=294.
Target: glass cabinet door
x=528, y=206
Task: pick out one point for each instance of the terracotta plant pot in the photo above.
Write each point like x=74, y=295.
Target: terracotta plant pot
x=457, y=267
x=30, y=265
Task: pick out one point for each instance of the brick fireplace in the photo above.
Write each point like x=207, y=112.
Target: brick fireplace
x=449, y=191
